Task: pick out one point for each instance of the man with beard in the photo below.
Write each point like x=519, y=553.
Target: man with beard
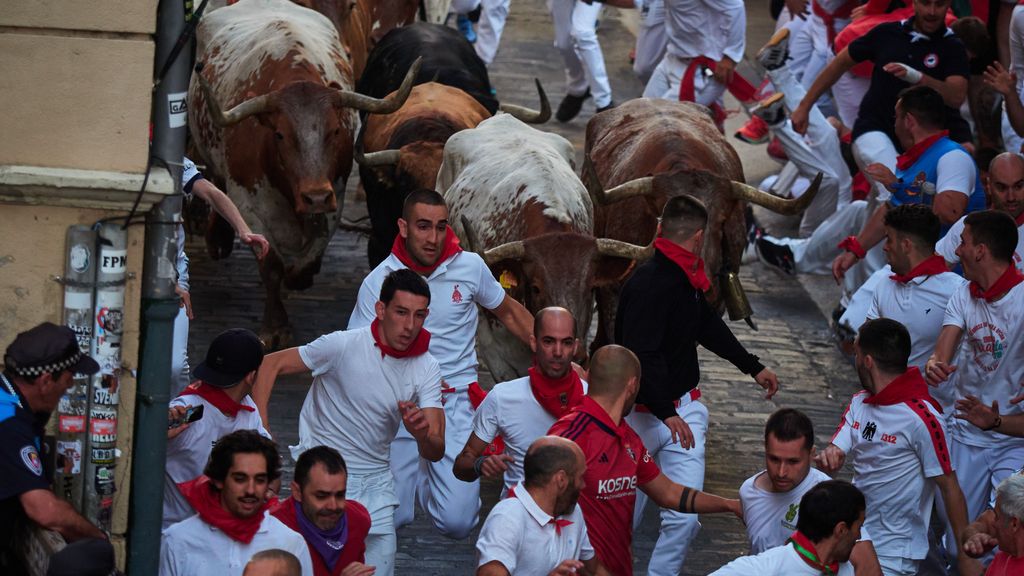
x=521, y=410
x=895, y=436
x=539, y=529
x=458, y=282
x=334, y=527
x=231, y=524
x=772, y=498
x=618, y=463
x=982, y=328
x=826, y=535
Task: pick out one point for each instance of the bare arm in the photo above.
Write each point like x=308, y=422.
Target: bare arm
x=953, y=89
x=949, y=206
x=223, y=205
x=956, y=511
x=864, y=559
x=872, y=233
x=465, y=463
x=985, y=417
x=1005, y=82
x=52, y=513
x=938, y=368
x=516, y=318
x=980, y=535
x=668, y=494
x=492, y=568
x=594, y=567
x=826, y=78
x=426, y=426
x=276, y=364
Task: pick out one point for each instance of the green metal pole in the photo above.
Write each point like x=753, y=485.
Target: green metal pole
x=159, y=301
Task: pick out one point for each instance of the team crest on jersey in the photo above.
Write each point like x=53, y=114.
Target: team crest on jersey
x=456, y=295
x=931, y=60
x=869, y=431
x=988, y=343
x=30, y=458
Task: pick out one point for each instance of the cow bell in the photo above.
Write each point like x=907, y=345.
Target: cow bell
x=736, y=300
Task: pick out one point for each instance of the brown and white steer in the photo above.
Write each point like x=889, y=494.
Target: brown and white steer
x=273, y=115
x=645, y=151
x=514, y=197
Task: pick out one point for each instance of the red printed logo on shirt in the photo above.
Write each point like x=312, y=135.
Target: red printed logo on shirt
x=931, y=61
x=988, y=343
x=456, y=295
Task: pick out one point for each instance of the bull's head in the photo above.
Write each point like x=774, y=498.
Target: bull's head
x=308, y=138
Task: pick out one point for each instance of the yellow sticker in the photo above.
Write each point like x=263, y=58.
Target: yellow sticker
x=507, y=280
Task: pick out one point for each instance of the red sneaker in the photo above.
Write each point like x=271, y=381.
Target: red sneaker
x=776, y=151
x=755, y=131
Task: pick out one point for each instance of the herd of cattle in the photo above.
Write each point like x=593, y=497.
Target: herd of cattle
x=287, y=95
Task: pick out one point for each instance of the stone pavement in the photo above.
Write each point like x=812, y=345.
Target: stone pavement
x=793, y=338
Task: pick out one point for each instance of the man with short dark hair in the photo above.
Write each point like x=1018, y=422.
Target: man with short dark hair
x=895, y=434
x=982, y=328
x=334, y=527
x=618, y=463
x=225, y=379
x=831, y=517
x=231, y=524
x=367, y=381
x=540, y=529
x=520, y=411
x=771, y=498
x=663, y=315
x=39, y=366
x=458, y=281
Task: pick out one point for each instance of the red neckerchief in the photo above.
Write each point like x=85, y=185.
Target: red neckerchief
x=805, y=548
x=559, y=396
x=202, y=496
x=218, y=398
x=907, y=159
x=558, y=522
x=739, y=86
x=451, y=248
x=419, y=344
x=691, y=264
x=829, y=19
x=930, y=266
x=1004, y=284
x=907, y=386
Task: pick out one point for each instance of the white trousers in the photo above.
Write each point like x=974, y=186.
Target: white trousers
x=489, y=29
x=898, y=566
x=180, y=372
x=452, y=505
x=667, y=77
x=848, y=93
x=376, y=491
x=814, y=255
x=816, y=152
x=685, y=467
x=576, y=41
x=872, y=147
x=650, y=39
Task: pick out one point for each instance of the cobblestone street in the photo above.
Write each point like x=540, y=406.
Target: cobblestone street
x=793, y=338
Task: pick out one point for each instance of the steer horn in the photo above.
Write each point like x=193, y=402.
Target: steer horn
x=375, y=159
x=472, y=240
x=529, y=115
x=255, y=105
x=746, y=192
x=349, y=99
x=618, y=249
x=600, y=197
x=509, y=251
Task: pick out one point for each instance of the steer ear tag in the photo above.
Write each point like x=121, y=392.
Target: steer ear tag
x=508, y=280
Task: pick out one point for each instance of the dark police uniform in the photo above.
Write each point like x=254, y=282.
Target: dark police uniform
x=939, y=55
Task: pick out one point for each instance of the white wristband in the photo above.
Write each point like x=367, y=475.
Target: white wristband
x=913, y=75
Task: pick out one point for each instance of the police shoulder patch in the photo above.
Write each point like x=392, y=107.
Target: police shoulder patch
x=30, y=458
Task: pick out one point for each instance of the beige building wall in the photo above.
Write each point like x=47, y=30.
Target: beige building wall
x=76, y=101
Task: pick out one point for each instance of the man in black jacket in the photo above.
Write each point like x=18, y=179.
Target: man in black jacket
x=663, y=315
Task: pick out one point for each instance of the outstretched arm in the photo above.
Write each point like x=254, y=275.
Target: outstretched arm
x=52, y=513
x=223, y=205
x=668, y=494
x=516, y=318
x=276, y=364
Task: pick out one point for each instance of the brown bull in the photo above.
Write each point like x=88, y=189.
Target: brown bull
x=646, y=151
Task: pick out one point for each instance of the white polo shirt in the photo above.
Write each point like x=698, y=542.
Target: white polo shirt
x=894, y=450
x=511, y=411
x=771, y=516
x=991, y=357
x=456, y=287
x=920, y=305
x=947, y=245
x=188, y=452
x=782, y=560
x=194, y=548
x=352, y=405
x=524, y=538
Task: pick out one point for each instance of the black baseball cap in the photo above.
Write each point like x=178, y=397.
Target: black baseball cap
x=47, y=348
x=232, y=354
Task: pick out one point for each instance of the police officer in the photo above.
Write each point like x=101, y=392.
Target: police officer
x=38, y=368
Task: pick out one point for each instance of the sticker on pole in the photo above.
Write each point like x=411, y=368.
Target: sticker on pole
x=69, y=456
x=113, y=261
x=177, y=109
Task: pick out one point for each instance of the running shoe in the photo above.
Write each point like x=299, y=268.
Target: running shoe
x=772, y=55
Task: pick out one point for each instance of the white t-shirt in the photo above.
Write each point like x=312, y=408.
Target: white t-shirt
x=352, y=405
x=779, y=561
x=712, y=28
x=188, y=452
x=991, y=357
x=920, y=305
x=511, y=411
x=947, y=245
x=194, y=548
x=456, y=287
x=523, y=538
x=771, y=516
x=894, y=450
